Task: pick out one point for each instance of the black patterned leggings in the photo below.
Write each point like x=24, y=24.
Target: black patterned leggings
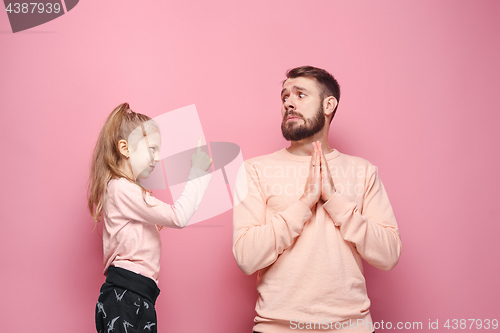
x=126, y=303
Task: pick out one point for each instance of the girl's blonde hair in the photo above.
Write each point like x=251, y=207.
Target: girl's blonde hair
x=121, y=123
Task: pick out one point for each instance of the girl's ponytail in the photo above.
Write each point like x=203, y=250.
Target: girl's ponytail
x=106, y=157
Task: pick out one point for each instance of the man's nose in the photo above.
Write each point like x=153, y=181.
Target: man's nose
x=289, y=105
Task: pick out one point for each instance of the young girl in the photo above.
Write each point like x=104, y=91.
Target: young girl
x=127, y=149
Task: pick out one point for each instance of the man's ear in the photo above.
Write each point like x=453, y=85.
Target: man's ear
x=123, y=148
x=329, y=104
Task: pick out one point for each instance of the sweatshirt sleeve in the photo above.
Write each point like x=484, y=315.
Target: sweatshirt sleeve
x=372, y=228
x=258, y=242
x=130, y=202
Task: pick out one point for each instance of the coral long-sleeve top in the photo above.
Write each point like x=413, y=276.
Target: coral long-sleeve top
x=131, y=239
x=309, y=261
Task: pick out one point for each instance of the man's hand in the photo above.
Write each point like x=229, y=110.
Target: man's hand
x=327, y=186
x=312, y=189
x=200, y=159
x=319, y=184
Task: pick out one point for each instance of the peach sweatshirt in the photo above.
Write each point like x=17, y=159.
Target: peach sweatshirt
x=131, y=239
x=309, y=261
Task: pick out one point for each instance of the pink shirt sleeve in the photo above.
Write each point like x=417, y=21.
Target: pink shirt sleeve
x=257, y=243
x=130, y=202
x=372, y=228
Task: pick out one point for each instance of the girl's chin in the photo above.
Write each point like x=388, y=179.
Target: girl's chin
x=144, y=175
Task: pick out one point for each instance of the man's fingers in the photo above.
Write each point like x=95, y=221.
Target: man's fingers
x=318, y=160
x=313, y=159
x=323, y=164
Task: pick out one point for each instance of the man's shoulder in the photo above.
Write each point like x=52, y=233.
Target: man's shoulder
x=353, y=159
x=356, y=162
x=266, y=159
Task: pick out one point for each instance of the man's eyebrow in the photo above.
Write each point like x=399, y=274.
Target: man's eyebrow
x=295, y=88
x=300, y=89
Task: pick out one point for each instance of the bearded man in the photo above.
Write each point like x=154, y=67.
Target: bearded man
x=306, y=216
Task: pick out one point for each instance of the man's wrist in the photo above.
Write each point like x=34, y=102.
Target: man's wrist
x=306, y=202
x=328, y=197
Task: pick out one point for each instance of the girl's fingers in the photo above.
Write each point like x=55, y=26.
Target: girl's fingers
x=198, y=146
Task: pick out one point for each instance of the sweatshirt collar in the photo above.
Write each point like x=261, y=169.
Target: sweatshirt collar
x=300, y=158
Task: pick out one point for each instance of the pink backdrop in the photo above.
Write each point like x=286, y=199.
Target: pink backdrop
x=420, y=101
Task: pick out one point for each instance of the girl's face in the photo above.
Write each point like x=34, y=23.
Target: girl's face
x=146, y=154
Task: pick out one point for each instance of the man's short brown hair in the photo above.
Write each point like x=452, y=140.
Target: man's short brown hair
x=329, y=85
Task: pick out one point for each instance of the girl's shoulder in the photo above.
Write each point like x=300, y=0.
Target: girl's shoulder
x=122, y=192
x=126, y=195
x=116, y=185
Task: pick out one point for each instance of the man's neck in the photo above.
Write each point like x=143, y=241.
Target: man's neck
x=304, y=147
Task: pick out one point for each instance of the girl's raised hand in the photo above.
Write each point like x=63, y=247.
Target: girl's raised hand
x=200, y=159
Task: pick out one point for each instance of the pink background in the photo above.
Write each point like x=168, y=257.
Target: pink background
x=420, y=101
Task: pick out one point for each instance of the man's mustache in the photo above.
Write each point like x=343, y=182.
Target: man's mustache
x=292, y=113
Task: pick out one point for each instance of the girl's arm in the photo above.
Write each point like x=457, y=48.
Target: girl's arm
x=129, y=201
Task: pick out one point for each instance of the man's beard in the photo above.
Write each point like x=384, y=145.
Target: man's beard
x=293, y=132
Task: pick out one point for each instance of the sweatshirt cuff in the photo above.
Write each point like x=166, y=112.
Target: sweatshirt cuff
x=296, y=215
x=338, y=207
x=196, y=173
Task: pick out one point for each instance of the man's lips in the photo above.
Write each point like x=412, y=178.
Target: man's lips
x=292, y=118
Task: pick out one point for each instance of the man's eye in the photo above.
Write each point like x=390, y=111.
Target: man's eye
x=301, y=95
x=152, y=148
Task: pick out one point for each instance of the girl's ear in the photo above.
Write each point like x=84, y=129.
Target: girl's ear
x=123, y=148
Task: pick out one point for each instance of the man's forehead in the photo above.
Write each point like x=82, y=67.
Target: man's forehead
x=300, y=82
